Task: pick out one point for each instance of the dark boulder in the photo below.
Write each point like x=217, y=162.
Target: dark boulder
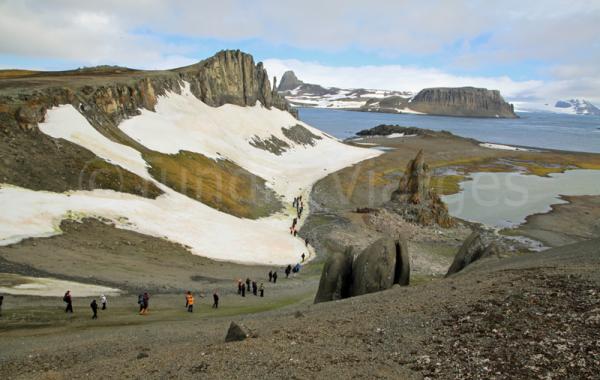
x=374, y=269
x=336, y=278
x=474, y=248
x=402, y=267
x=235, y=333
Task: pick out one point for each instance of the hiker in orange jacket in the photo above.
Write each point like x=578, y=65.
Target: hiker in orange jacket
x=189, y=301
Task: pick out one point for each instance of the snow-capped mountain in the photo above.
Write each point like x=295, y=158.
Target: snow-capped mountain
x=571, y=107
x=578, y=106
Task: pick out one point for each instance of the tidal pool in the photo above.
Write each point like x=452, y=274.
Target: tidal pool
x=506, y=199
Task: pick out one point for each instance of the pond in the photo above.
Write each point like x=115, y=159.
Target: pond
x=506, y=199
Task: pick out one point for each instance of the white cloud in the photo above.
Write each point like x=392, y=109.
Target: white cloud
x=393, y=77
x=470, y=34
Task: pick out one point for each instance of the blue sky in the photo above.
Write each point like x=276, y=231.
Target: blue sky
x=534, y=49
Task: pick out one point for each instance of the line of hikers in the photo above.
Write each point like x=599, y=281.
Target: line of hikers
x=143, y=302
x=299, y=206
x=68, y=299
x=248, y=285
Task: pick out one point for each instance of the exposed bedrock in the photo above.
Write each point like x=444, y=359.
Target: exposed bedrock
x=462, y=101
x=415, y=200
x=474, y=248
x=378, y=267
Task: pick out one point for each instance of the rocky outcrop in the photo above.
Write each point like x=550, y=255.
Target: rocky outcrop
x=415, y=200
x=462, y=101
x=378, y=267
x=474, y=248
x=336, y=278
x=289, y=81
x=388, y=129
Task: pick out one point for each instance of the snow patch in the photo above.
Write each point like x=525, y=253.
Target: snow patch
x=502, y=147
x=184, y=122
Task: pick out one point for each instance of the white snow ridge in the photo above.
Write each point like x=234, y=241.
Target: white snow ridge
x=183, y=122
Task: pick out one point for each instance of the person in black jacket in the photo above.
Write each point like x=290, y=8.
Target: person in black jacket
x=94, y=307
x=68, y=301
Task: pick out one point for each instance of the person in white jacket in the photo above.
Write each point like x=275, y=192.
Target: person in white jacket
x=103, y=301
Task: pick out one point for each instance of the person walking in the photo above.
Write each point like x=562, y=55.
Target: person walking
x=145, y=303
x=189, y=301
x=69, y=301
x=303, y=256
x=243, y=290
x=294, y=222
x=254, y=288
x=94, y=307
x=239, y=286
x=215, y=300
x=306, y=242
x=103, y=301
x=270, y=275
x=262, y=289
x=141, y=302
x=288, y=270
x=248, y=284
x=274, y=277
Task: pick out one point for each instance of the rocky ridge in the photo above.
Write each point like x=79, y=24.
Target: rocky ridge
x=462, y=101
x=105, y=96
x=415, y=200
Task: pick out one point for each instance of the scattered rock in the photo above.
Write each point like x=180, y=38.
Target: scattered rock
x=142, y=355
x=235, y=333
x=473, y=249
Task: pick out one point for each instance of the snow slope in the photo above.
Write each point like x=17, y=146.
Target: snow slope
x=183, y=122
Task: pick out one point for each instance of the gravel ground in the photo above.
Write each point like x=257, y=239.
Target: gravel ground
x=533, y=316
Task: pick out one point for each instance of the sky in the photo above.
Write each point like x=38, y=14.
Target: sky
x=535, y=51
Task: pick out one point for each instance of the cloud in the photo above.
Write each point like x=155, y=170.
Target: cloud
x=558, y=37
x=413, y=78
x=393, y=77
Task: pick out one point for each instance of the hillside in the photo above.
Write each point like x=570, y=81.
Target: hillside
x=202, y=155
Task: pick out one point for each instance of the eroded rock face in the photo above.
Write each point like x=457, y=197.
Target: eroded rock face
x=462, y=101
x=336, y=278
x=414, y=199
x=473, y=249
x=378, y=267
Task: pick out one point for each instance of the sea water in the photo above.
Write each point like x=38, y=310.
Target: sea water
x=533, y=129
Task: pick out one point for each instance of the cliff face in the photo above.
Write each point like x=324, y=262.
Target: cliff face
x=106, y=96
x=109, y=96
x=462, y=101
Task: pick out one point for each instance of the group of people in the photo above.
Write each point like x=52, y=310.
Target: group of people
x=248, y=286
x=68, y=299
x=298, y=204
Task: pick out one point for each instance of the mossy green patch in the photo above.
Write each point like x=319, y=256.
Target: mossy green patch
x=220, y=184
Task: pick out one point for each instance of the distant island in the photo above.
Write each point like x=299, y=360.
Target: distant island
x=442, y=101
